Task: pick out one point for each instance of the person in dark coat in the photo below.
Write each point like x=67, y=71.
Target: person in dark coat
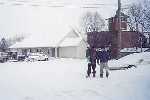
x=103, y=56
x=91, y=57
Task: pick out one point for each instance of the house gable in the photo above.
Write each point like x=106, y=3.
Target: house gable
x=72, y=34
x=73, y=38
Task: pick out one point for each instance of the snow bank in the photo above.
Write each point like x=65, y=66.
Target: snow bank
x=132, y=59
x=134, y=50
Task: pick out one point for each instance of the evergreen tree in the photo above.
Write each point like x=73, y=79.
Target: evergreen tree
x=3, y=45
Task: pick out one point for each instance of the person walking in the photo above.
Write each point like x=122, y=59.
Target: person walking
x=102, y=59
x=91, y=56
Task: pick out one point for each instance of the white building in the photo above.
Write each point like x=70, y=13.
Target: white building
x=65, y=44
x=72, y=46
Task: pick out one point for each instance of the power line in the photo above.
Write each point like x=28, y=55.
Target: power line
x=54, y=4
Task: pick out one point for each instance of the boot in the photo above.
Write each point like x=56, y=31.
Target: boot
x=107, y=74
x=101, y=75
x=94, y=72
x=93, y=75
x=87, y=76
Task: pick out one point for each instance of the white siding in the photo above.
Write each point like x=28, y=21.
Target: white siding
x=73, y=52
x=68, y=52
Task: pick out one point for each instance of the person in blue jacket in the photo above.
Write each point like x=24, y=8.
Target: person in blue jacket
x=103, y=56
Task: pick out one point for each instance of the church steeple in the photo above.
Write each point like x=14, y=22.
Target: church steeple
x=114, y=24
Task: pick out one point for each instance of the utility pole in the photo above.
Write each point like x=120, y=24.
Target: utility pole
x=141, y=43
x=119, y=28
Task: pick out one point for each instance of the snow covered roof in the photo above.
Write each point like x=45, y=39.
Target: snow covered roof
x=50, y=39
x=70, y=42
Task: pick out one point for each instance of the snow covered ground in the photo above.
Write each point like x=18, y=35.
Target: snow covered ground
x=64, y=79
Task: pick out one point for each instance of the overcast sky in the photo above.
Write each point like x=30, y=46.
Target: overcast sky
x=39, y=16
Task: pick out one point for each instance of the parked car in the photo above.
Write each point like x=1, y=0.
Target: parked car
x=36, y=57
x=21, y=57
x=12, y=55
x=3, y=57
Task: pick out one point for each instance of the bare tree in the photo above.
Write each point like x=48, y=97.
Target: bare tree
x=135, y=14
x=146, y=19
x=92, y=21
x=139, y=15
